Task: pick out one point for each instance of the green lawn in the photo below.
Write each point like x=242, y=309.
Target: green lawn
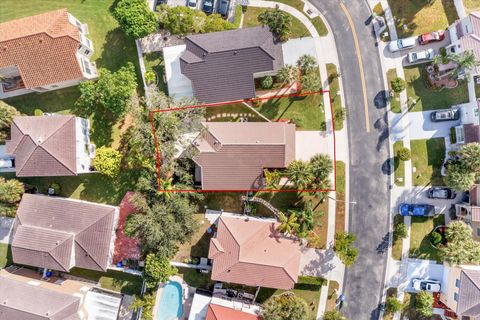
x=427, y=158
x=195, y=279
x=340, y=195
x=399, y=165
x=420, y=246
x=297, y=30
x=334, y=92
x=307, y=288
x=428, y=99
x=397, y=243
x=419, y=16
x=395, y=101
x=113, y=280
x=306, y=112
x=231, y=113
x=5, y=255
x=154, y=62
x=238, y=16
x=199, y=242
x=227, y=201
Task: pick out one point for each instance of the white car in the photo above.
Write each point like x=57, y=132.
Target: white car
x=402, y=44
x=421, y=55
x=192, y=3
x=426, y=285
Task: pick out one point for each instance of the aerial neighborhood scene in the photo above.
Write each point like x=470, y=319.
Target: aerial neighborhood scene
x=239, y=159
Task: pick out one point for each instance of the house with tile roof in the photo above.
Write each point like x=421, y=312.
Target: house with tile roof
x=233, y=155
x=221, y=66
x=25, y=295
x=250, y=251
x=204, y=306
x=219, y=312
x=462, y=291
x=469, y=211
x=465, y=36
x=62, y=233
x=44, y=52
x=45, y=146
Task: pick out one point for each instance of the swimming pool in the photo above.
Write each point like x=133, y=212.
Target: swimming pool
x=170, y=307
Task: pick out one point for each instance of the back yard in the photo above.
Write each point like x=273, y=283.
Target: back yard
x=427, y=159
x=427, y=98
x=414, y=17
x=5, y=255
x=113, y=280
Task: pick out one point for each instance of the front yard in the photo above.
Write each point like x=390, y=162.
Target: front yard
x=5, y=255
x=414, y=17
x=395, y=101
x=427, y=98
x=398, y=165
x=112, y=280
x=306, y=112
x=427, y=159
x=420, y=246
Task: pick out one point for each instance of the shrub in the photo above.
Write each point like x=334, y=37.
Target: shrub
x=135, y=18
x=424, y=303
x=435, y=238
x=107, y=161
x=392, y=305
x=398, y=84
x=11, y=191
x=150, y=77
x=7, y=113
x=38, y=112
x=278, y=21
x=344, y=249
x=400, y=231
x=56, y=188
x=404, y=154
x=339, y=115
x=285, y=306
x=157, y=270
x=267, y=82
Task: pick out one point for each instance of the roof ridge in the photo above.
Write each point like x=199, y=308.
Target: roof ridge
x=53, y=257
x=31, y=153
x=94, y=260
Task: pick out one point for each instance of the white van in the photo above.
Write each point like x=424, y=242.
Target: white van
x=402, y=44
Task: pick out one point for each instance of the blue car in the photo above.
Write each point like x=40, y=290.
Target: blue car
x=417, y=210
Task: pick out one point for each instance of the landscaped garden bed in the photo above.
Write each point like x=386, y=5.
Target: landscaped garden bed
x=427, y=160
x=398, y=164
x=297, y=29
x=422, y=16
x=395, y=100
x=422, y=97
x=420, y=243
x=234, y=112
x=154, y=63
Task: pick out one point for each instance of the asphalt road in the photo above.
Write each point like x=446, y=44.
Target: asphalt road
x=369, y=181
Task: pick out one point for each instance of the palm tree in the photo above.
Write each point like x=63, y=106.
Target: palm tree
x=310, y=82
x=288, y=225
x=272, y=178
x=307, y=63
x=305, y=220
x=300, y=174
x=465, y=62
x=287, y=74
x=470, y=153
x=166, y=186
x=321, y=166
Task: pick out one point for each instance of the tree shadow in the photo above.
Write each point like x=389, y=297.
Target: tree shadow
x=200, y=248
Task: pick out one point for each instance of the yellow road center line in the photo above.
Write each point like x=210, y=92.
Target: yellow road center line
x=360, y=64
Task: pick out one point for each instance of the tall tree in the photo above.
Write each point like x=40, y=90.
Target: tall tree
x=11, y=191
x=307, y=64
x=107, y=161
x=157, y=270
x=460, y=247
x=135, y=18
x=287, y=74
x=470, y=154
x=285, y=306
x=459, y=176
x=310, y=83
x=288, y=224
x=7, y=113
x=321, y=166
x=345, y=249
x=465, y=61
x=424, y=303
x=278, y=21
x=305, y=220
x=300, y=174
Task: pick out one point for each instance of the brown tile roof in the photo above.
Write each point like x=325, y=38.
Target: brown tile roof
x=469, y=294
x=49, y=230
x=43, y=146
x=252, y=253
x=221, y=64
x=234, y=154
x=22, y=301
x=43, y=47
x=217, y=312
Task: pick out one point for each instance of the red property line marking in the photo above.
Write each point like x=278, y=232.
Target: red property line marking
x=158, y=157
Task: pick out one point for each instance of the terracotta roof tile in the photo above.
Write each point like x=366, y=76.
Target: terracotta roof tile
x=43, y=47
x=217, y=312
x=254, y=254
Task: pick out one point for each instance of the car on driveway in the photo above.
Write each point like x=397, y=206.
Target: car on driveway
x=223, y=7
x=402, y=44
x=441, y=193
x=192, y=3
x=421, y=55
x=426, y=285
x=431, y=37
x=416, y=210
x=445, y=115
x=208, y=6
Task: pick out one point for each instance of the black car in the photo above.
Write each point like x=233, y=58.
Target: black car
x=223, y=7
x=441, y=193
x=445, y=115
x=208, y=6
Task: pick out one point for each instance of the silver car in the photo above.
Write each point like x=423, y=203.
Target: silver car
x=402, y=44
x=421, y=55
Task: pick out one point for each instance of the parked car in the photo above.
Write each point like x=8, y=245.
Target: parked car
x=441, y=193
x=6, y=163
x=208, y=6
x=192, y=3
x=402, y=44
x=421, y=55
x=445, y=115
x=426, y=285
x=431, y=37
x=223, y=7
x=424, y=210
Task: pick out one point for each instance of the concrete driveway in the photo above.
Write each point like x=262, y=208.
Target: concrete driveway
x=421, y=127
x=423, y=269
x=6, y=226
x=309, y=143
x=419, y=195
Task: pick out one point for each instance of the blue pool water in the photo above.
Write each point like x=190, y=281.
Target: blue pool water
x=170, y=307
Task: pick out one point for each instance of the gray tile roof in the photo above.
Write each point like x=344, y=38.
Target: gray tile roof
x=234, y=154
x=49, y=232
x=471, y=132
x=22, y=301
x=469, y=294
x=221, y=64
x=43, y=146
